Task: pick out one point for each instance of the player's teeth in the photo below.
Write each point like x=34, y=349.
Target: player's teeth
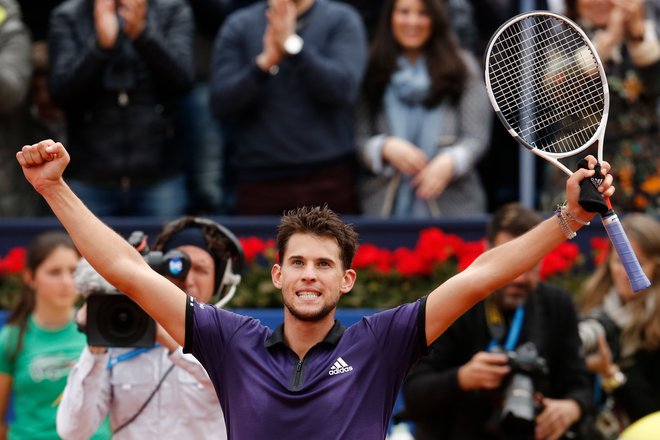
x=307, y=294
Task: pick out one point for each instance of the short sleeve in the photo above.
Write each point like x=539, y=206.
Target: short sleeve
x=401, y=332
x=209, y=331
x=8, y=336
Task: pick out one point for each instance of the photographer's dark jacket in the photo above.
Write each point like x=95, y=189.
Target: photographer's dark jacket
x=119, y=102
x=440, y=409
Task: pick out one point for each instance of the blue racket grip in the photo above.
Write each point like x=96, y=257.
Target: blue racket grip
x=636, y=275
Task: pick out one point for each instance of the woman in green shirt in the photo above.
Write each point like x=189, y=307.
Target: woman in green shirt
x=40, y=342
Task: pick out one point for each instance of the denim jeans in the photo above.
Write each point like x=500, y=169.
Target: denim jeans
x=166, y=198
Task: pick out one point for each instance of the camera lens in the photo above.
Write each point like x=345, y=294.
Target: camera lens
x=519, y=410
x=122, y=321
x=589, y=331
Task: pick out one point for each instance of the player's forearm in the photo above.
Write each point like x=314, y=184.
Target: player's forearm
x=498, y=266
x=112, y=256
x=117, y=261
x=504, y=263
x=488, y=272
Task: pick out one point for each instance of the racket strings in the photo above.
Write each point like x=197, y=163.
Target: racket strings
x=546, y=82
x=563, y=107
x=568, y=66
x=552, y=94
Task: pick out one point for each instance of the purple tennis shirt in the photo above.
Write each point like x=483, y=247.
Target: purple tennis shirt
x=344, y=388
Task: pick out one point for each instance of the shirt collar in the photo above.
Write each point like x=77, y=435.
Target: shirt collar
x=332, y=338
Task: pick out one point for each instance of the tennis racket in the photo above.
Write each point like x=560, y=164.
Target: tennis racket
x=548, y=87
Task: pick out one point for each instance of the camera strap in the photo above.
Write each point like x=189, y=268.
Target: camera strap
x=496, y=326
x=112, y=361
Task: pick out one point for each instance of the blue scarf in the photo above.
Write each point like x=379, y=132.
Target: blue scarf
x=409, y=119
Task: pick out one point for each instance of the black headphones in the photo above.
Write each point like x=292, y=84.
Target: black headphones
x=227, y=270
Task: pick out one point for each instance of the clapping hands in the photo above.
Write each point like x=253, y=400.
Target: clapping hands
x=110, y=15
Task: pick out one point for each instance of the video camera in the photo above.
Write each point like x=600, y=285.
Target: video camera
x=114, y=319
x=519, y=408
x=594, y=324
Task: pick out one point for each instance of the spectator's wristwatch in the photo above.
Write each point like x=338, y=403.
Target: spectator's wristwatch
x=293, y=44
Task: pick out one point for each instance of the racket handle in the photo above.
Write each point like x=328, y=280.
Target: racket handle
x=590, y=199
x=636, y=275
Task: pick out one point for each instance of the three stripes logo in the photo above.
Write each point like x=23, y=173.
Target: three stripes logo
x=340, y=367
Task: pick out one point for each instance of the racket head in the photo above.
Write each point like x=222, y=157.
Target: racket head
x=547, y=85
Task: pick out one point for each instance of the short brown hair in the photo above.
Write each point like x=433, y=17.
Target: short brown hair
x=512, y=218
x=320, y=221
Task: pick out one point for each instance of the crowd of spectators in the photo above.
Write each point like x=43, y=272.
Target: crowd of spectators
x=175, y=107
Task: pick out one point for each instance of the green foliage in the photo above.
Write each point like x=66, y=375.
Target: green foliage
x=10, y=289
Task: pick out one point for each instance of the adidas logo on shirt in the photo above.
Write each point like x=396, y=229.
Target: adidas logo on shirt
x=340, y=367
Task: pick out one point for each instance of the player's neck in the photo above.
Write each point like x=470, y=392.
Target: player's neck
x=300, y=335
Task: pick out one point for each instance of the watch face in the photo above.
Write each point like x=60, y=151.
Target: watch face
x=293, y=44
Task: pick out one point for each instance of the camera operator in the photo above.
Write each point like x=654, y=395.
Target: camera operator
x=458, y=391
x=155, y=392
x=622, y=340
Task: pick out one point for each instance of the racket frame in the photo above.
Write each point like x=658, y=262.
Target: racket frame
x=598, y=136
x=638, y=280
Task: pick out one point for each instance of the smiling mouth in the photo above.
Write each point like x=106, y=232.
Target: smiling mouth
x=412, y=33
x=308, y=294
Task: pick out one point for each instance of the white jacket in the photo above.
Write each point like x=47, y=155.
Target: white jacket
x=185, y=406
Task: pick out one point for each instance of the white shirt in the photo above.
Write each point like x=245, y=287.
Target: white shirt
x=185, y=406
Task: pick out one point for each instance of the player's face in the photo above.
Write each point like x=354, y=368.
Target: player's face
x=411, y=26
x=619, y=277
x=516, y=292
x=53, y=280
x=199, y=282
x=311, y=277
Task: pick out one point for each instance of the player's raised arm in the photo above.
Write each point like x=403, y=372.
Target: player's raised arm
x=504, y=263
x=113, y=257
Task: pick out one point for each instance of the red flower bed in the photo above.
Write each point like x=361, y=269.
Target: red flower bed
x=13, y=263
x=433, y=248
x=386, y=277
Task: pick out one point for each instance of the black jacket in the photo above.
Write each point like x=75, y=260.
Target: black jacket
x=119, y=103
x=640, y=395
x=440, y=409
